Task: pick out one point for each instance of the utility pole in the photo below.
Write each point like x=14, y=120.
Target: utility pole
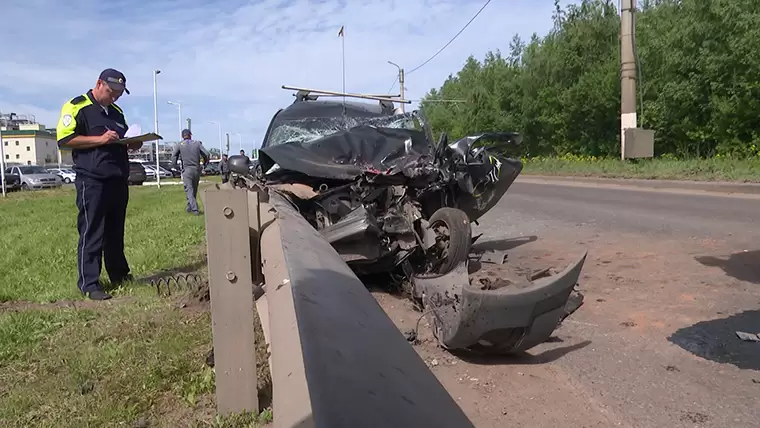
x=400, y=82
x=188, y=123
x=228, y=143
x=628, y=117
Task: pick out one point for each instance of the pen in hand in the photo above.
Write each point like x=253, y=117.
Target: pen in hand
x=108, y=129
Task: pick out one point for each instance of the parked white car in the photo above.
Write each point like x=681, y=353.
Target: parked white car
x=67, y=174
x=150, y=171
x=35, y=177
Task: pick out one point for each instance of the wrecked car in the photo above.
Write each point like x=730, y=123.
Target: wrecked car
x=391, y=199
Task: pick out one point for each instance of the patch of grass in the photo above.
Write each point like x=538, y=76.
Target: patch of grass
x=136, y=360
x=243, y=420
x=714, y=169
x=117, y=364
x=39, y=240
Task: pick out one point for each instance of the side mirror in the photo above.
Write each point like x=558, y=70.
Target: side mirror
x=239, y=164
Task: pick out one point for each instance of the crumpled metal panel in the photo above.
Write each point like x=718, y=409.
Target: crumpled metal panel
x=509, y=319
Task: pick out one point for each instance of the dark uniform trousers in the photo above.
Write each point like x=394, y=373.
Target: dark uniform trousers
x=102, y=210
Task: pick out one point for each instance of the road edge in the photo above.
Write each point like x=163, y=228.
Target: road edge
x=724, y=187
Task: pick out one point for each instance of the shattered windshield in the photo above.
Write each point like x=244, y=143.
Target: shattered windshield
x=309, y=129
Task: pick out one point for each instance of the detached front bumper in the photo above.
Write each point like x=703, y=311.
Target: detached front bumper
x=507, y=320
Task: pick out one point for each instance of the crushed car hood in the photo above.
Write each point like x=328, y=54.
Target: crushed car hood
x=346, y=155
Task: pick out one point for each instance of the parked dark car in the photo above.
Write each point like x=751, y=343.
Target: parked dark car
x=211, y=168
x=137, y=174
x=175, y=170
x=12, y=182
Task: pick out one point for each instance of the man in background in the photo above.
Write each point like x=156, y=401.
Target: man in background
x=191, y=152
x=224, y=169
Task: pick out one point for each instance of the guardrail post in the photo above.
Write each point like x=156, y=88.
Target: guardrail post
x=232, y=305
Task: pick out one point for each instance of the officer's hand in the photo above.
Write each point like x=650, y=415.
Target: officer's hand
x=108, y=137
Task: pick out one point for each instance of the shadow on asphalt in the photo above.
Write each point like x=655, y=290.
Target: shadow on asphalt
x=503, y=244
x=744, y=266
x=716, y=340
x=523, y=358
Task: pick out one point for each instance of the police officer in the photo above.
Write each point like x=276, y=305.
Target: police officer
x=190, y=151
x=89, y=126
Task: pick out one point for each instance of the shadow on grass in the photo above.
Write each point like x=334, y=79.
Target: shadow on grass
x=189, y=274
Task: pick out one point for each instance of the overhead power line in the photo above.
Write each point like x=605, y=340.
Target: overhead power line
x=450, y=41
x=393, y=84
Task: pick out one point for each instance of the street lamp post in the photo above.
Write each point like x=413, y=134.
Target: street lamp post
x=2, y=155
x=219, y=125
x=156, y=72
x=179, y=108
x=240, y=140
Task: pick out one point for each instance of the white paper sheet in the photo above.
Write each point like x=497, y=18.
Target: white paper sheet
x=133, y=131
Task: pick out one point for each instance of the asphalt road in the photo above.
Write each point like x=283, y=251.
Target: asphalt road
x=650, y=212
x=670, y=277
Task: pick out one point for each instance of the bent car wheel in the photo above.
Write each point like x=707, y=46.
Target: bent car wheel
x=453, y=236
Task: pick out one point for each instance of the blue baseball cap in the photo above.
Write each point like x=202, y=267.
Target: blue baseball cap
x=115, y=79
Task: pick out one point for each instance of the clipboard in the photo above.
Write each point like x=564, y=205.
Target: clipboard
x=144, y=138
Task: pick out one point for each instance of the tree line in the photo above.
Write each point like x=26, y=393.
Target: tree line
x=699, y=82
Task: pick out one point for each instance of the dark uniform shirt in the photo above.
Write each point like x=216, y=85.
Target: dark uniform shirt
x=83, y=116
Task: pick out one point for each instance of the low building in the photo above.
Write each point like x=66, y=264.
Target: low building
x=27, y=142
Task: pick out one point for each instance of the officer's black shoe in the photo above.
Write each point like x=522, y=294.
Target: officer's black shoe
x=98, y=295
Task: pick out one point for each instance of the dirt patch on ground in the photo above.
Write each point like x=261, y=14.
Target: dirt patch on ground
x=198, y=298
x=175, y=413
x=638, y=291
x=504, y=392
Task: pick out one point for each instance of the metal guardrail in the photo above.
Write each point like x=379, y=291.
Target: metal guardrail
x=336, y=359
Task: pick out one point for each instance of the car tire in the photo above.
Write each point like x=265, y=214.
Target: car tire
x=67, y=180
x=24, y=187
x=459, y=234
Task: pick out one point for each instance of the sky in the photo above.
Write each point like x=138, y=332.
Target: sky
x=225, y=61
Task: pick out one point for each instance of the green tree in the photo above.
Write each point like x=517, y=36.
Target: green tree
x=699, y=81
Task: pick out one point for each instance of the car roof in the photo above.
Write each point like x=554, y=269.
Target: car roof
x=330, y=108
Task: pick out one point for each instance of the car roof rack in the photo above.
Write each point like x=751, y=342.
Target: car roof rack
x=307, y=94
